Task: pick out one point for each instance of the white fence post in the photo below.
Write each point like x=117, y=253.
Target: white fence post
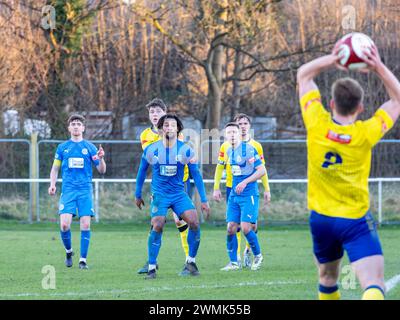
x=96, y=200
x=380, y=201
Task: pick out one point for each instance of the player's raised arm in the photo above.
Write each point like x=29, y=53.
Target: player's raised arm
x=101, y=167
x=140, y=178
x=392, y=84
x=307, y=72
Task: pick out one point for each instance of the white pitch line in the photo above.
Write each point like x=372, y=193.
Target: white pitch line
x=153, y=289
x=392, y=283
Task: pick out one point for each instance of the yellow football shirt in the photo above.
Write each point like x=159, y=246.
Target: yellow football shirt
x=148, y=136
x=223, y=158
x=339, y=158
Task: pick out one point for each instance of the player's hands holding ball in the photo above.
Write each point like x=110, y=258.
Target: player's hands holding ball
x=372, y=59
x=356, y=51
x=336, y=52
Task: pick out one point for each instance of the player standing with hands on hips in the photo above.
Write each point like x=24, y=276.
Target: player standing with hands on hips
x=75, y=158
x=339, y=159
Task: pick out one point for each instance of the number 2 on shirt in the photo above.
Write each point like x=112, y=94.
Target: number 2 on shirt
x=332, y=158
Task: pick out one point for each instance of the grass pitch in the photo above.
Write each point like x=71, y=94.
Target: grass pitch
x=118, y=250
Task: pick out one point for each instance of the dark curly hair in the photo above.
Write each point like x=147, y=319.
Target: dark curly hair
x=161, y=121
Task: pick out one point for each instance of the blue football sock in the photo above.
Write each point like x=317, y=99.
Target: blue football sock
x=253, y=242
x=232, y=246
x=85, y=239
x=66, y=239
x=154, y=245
x=193, y=240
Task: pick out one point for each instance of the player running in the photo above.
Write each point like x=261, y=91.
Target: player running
x=168, y=157
x=244, y=123
x=75, y=158
x=156, y=109
x=339, y=160
x=247, y=168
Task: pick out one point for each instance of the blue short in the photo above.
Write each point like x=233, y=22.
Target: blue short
x=242, y=209
x=188, y=187
x=77, y=201
x=331, y=236
x=228, y=193
x=179, y=203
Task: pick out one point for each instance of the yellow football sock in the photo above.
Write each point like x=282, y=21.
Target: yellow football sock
x=373, y=293
x=328, y=293
x=183, y=231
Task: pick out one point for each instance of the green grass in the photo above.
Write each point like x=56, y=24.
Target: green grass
x=118, y=250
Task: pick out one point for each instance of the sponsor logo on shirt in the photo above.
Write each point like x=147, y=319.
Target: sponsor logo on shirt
x=76, y=163
x=338, y=137
x=236, y=170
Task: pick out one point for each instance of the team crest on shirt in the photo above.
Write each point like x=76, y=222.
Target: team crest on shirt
x=338, y=137
x=61, y=207
x=84, y=151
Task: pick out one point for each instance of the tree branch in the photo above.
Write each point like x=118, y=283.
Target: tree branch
x=149, y=17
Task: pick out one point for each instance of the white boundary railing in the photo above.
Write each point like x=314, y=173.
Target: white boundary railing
x=97, y=181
